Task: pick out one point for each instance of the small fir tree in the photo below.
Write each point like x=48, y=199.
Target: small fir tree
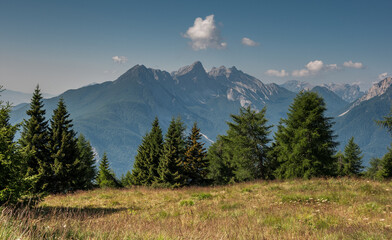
x=145, y=169
x=195, y=161
x=244, y=149
x=170, y=169
x=352, y=160
x=304, y=142
x=106, y=177
x=34, y=139
x=64, y=151
x=85, y=163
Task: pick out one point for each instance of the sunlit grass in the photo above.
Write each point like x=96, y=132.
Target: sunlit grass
x=298, y=209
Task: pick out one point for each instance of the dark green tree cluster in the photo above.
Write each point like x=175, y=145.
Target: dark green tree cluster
x=173, y=161
x=106, y=177
x=55, y=157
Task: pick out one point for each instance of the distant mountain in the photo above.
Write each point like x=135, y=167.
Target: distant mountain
x=347, y=92
x=359, y=118
x=296, y=86
x=115, y=116
x=335, y=104
x=16, y=98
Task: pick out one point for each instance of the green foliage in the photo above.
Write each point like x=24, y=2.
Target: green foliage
x=195, y=161
x=13, y=183
x=350, y=163
x=170, y=167
x=242, y=154
x=386, y=122
x=126, y=180
x=64, y=152
x=106, y=177
x=374, y=169
x=85, y=163
x=34, y=139
x=145, y=169
x=304, y=142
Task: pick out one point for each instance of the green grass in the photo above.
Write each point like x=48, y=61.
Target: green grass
x=300, y=209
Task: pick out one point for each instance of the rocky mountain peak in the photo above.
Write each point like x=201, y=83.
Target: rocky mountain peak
x=195, y=68
x=377, y=89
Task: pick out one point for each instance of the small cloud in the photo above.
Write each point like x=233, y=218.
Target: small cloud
x=277, y=73
x=120, y=59
x=249, y=42
x=205, y=34
x=351, y=64
x=382, y=76
x=313, y=68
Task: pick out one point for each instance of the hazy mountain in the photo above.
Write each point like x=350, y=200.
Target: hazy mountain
x=335, y=104
x=296, y=86
x=359, y=118
x=348, y=92
x=15, y=97
x=114, y=116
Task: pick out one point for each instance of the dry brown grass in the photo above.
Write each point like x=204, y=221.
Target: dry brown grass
x=298, y=209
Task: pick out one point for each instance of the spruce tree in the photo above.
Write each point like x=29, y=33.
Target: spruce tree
x=64, y=151
x=244, y=149
x=170, y=169
x=145, y=169
x=352, y=160
x=195, y=161
x=34, y=139
x=13, y=185
x=106, y=177
x=86, y=169
x=304, y=142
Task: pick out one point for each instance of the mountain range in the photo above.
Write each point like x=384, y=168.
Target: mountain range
x=15, y=97
x=115, y=115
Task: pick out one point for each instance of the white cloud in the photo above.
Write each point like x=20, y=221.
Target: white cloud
x=382, y=76
x=277, y=73
x=351, y=64
x=249, y=42
x=205, y=34
x=313, y=68
x=119, y=59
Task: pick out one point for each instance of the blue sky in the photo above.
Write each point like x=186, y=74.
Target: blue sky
x=69, y=44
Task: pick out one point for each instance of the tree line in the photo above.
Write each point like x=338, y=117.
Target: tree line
x=49, y=158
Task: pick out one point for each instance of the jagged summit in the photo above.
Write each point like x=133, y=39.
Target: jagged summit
x=377, y=89
x=194, y=68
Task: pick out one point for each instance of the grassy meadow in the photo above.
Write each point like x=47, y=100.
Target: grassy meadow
x=298, y=209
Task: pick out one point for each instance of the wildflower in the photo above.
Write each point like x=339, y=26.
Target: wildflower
x=382, y=220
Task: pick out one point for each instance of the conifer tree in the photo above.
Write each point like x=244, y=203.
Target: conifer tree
x=13, y=185
x=34, y=139
x=126, y=180
x=86, y=170
x=170, y=169
x=304, y=142
x=106, y=177
x=64, y=151
x=375, y=170
x=352, y=160
x=145, y=169
x=243, y=150
x=195, y=161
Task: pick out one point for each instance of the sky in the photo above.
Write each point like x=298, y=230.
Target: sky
x=63, y=45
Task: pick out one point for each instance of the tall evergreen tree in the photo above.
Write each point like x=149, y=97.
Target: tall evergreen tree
x=145, y=169
x=34, y=139
x=195, y=161
x=386, y=161
x=64, y=151
x=304, y=142
x=170, y=169
x=243, y=150
x=352, y=160
x=13, y=185
x=106, y=177
x=86, y=169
